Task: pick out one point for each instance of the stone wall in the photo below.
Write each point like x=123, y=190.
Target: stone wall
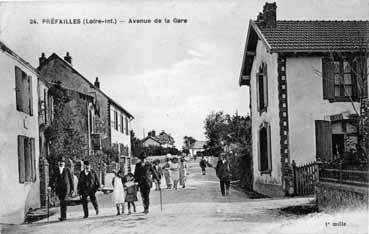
x=333, y=196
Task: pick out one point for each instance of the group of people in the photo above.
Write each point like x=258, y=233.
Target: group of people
x=126, y=187
x=62, y=182
x=175, y=172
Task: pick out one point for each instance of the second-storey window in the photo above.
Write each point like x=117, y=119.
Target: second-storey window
x=121, y=124
x=343, y=79
x=262, y=88
x=23, y=90
x=126, y=126
x=116, y=120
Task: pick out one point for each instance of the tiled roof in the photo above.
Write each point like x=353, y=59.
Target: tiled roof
x=316, y=36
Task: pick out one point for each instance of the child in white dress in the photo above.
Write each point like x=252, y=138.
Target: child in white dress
x=118, y=193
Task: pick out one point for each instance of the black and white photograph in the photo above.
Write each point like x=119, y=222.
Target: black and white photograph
x=184, y=116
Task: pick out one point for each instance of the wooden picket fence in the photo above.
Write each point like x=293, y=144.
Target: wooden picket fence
x=305, y=178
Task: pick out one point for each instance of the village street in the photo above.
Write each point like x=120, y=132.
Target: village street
x=199, y=208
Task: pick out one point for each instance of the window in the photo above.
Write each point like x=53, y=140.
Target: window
x=121, y=148
x=26, y=159
x=126, y=125
x=121, y=124
x=23, y=90
x=265, y=155
x=262, y=88
x=116, y=120
x=343, y=79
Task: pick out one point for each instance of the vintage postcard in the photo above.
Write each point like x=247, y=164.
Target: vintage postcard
x=174, y=116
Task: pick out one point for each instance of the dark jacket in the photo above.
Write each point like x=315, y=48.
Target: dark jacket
x=89, y=183
x=203, y=163
x=158, y=172
x=223, y=170
x=144, y=174
x=62, y=183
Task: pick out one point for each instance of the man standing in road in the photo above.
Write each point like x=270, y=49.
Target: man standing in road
x=144, y=175
x=62, y=183
x=203, y=165
x=223, y=172
x=88, y=184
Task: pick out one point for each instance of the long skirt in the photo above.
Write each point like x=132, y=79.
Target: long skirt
x=118, y=193
x=182, y=177
x=168, y=179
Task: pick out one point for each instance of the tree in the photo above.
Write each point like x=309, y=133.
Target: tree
x=62, y=136
x=188, y=142
x=136, y=145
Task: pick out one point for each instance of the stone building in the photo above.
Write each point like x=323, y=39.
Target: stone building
x=305, y=80
x=109, y=123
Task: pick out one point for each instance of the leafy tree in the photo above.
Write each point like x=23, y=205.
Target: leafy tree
x=62, y=136
x=188, y=141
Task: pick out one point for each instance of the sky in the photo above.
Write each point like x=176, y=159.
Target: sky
x=169, y=76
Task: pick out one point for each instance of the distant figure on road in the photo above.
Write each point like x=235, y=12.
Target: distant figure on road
x=131, y=192
x=203, y=165
x=223, y=172
x=182, y=172
x=166, y=173
x=118, y=192
x=159, y=173
x=88, y=184
x=62, y=183
x=144, y=174
x=174, y=171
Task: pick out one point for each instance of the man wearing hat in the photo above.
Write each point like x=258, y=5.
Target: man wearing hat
x=62, y=183
x=223, y=172
x=144, y=175
x=88, y=184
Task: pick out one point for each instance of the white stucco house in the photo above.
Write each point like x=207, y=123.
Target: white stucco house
x=19, y=154
x=195, y=148
x=305, y=80
x=120, y=129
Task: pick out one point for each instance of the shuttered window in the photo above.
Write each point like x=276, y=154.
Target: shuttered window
x=265, y=154
x=126, y=126
x=26, y=159
x=343, y=79
x=121, y=124
x=262, y=88
x=23, y=91
x=116, y=120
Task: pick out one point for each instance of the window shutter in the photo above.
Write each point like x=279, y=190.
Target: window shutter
x=33, y=159
x=328, y=78
x=27, y=159
x=126, y=126
x=21, y=168
x=18, y=88
x=265, y=83
x=25, y=93
x=323, y=140
x=269, y=145
x=356, y=82
x=257, y=92
x=30, y=94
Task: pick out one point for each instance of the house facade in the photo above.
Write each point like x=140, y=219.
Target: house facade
x=109, y=122
x=306, y=80
x=196, y=147
x=19, y=176
x=164, y=139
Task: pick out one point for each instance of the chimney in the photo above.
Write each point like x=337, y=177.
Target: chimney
x=270, y=14
x=153, y=133
x=42, y=60
x=149, y=134
x=97, y=83
x=68, y=58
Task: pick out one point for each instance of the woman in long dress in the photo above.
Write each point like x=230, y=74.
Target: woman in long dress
x=118, y=192
x=174, y=172
x=168, y=179
x=182, y=172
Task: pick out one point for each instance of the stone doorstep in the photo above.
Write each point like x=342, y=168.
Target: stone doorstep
x=36, y=215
